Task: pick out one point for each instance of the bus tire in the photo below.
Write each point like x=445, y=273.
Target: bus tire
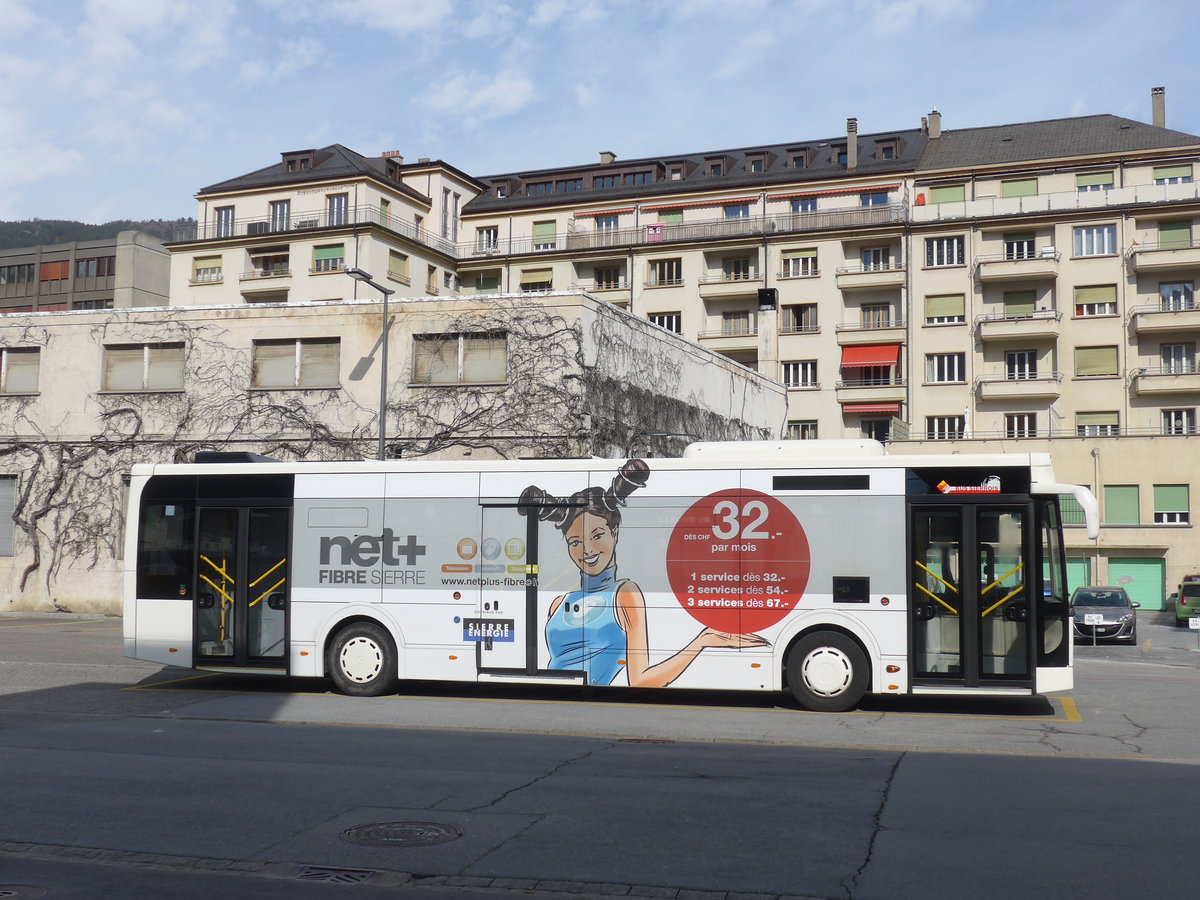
x=826, y=672
x=362, y=661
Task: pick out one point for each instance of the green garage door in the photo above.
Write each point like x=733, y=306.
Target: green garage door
x=1144, y=579
x=1079, y=572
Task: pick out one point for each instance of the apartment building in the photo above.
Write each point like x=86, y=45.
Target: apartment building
x=130, y=270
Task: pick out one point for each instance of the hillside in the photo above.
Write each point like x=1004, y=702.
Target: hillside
x=31, y=232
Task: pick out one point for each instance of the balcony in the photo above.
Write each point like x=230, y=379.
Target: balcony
x=730, y=284
x=313, y=221
x=1018, y=266
x=1158, y=317
x=888, y=332
x=731, y=338
x=1044, y=323
x=1156, y=255
x=863, y=278
x=1002, y=386
x=1166, y=380
x=871, y=390
x=700, y=231
x=1062, y=201
x=270, y=272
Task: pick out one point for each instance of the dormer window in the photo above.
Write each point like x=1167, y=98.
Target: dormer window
x=840, y=154
x=299, y=161
x=756, y=164
x=501, y=191
x=799, y=159
x=885, y=149
x=715, y=168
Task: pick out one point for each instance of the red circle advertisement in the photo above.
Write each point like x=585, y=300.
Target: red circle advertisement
x=738, y=561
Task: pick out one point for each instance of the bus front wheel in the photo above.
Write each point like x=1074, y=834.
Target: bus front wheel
x=827, y=672
x=362, y=660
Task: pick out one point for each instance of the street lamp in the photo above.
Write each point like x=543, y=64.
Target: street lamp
x=365, y=278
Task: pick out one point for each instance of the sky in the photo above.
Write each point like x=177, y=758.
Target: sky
x=124, y=109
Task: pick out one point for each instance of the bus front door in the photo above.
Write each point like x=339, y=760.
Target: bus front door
x=971, y=596
x=241, y=587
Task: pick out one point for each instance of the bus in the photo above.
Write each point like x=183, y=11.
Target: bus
x=827, y=569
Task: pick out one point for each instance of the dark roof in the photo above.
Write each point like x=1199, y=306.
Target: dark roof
x=1049, y=139
x=778, y=170
x=332, y=162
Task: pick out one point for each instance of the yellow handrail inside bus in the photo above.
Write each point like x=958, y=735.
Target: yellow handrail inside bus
x=935, y=596
x=1017, y=568
x=935, y=575
x=220, y=569
x=268, y=591
x=255, y=582
x=1003, y=600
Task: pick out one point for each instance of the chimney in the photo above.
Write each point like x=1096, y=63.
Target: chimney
x=607, y=157
x=935, y=124
x=924, y=125
x=1158, y=107
x=852, y=143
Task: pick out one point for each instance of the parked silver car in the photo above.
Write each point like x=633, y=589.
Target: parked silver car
x=1118, y=619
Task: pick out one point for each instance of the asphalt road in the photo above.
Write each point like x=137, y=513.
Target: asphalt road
x=124, y=779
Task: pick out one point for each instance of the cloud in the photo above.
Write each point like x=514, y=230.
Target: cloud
x=294, y=56
x=402, y=18
x=26, y=159
x=477, y=96
x=16, y=16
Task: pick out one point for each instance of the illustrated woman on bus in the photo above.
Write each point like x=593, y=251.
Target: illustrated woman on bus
x=612, y=609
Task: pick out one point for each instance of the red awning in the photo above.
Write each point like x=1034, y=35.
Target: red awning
x=871, y=408
x=696, y=204
x=835, y=192
x=870, y=355
x=603, y=212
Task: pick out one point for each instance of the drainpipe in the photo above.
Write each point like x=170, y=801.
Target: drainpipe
x=1096, y=540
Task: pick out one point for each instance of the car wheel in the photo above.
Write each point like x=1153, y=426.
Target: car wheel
x=362, y=660
x=827, y=672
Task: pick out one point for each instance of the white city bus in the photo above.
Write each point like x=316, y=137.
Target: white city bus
x=828, y=569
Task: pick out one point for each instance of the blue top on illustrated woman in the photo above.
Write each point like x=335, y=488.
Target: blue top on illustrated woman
x=584, y=634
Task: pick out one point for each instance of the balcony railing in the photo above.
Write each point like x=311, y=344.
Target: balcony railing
x=1054, y=202
x=709, y=229
x=271, y=272
x=313, y=221
x=877, y=325
x=872, y=382
x=730, y=277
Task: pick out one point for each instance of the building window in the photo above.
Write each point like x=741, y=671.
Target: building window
x=672, y=321
x=487, y=238
x=337, y=209
x=460, y=358
x=800, y=374
x=875, y=198
x=487, y=282
x=1019, y=246
x=800, y=317
x=1020, y=365
x=55, y=271
x=1121, y=504
x=670, y=217
x=876, y=315
x=737, y=211
x=1019, y=187
x=329, y=258
x=501, y=191
x=738, y=321
x=1020, y=425
x=1173, y=174
x=1179, y=421
x=802, y=430
x=8, y=506
x=607, y=223
x=1093, y=181
x=301, y=363
x=876, y=259
x=537, y=280
x=206, y=269
x=638, y=179
x=601, y=182
x=267, y=263
x=568, y=185
x=1095, y=240
x=1097, y=424
x=1019, y=304
x=804, y=205
x=608, y=278
x=666, y=271
x=143, y=367
x=1178, y=359
x=885, y=151
x=676, y=173
x=948, y=193
x=876, y=429
x=431, y=279
x=755, y=165
x=1096, y=300
x=544, y=235
x=1095, y=362
x=1171, y=504
x=281, y=215
x=540, y=188
x=798, y=263
x=1176, y=295
x=385, y=212
x=944, y=428
x=1175, y=235
x=22, y=274
x=449, y=281
x=736, y=268
x=224, y=221
x=92, y=304
x=715, y=168
x=799, y=160
x=945, y=251
x=19, y=370
x=397, y=269
x=945, y=309
x=96, y=267
x=945, y=368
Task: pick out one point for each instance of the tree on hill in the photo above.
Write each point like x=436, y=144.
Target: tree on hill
x=31, y=232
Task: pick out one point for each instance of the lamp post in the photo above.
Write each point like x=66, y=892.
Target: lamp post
x=365, y=278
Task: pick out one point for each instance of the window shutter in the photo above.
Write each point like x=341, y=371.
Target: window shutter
x=949, y=193
x=1095, y=360
x=332, y=251
x=1100, y=293
x=164, y=369
x=543, y=232
x=123, y=369
x=8, y=504
x=809, y=253
x=1172, y=172
x=1019, y=303
x=21, y=370
x=1121, y=504
x=487, y=283
x=1171, y=498
x=206, y=262
x=1022, y=187
x=536, y=276
x=275, y=364
x=319, y=363
x=484, y=359
x=1096, y=418
x=671, y=217
x=435, y=359
x=1174, y=235
x=945, y=305
x=1093, y=178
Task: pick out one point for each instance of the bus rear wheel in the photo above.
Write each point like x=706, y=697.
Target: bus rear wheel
x=826, y=672
x=362, y=661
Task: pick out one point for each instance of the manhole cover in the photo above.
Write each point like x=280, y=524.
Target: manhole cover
x=402, y=834
x=20, y=892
